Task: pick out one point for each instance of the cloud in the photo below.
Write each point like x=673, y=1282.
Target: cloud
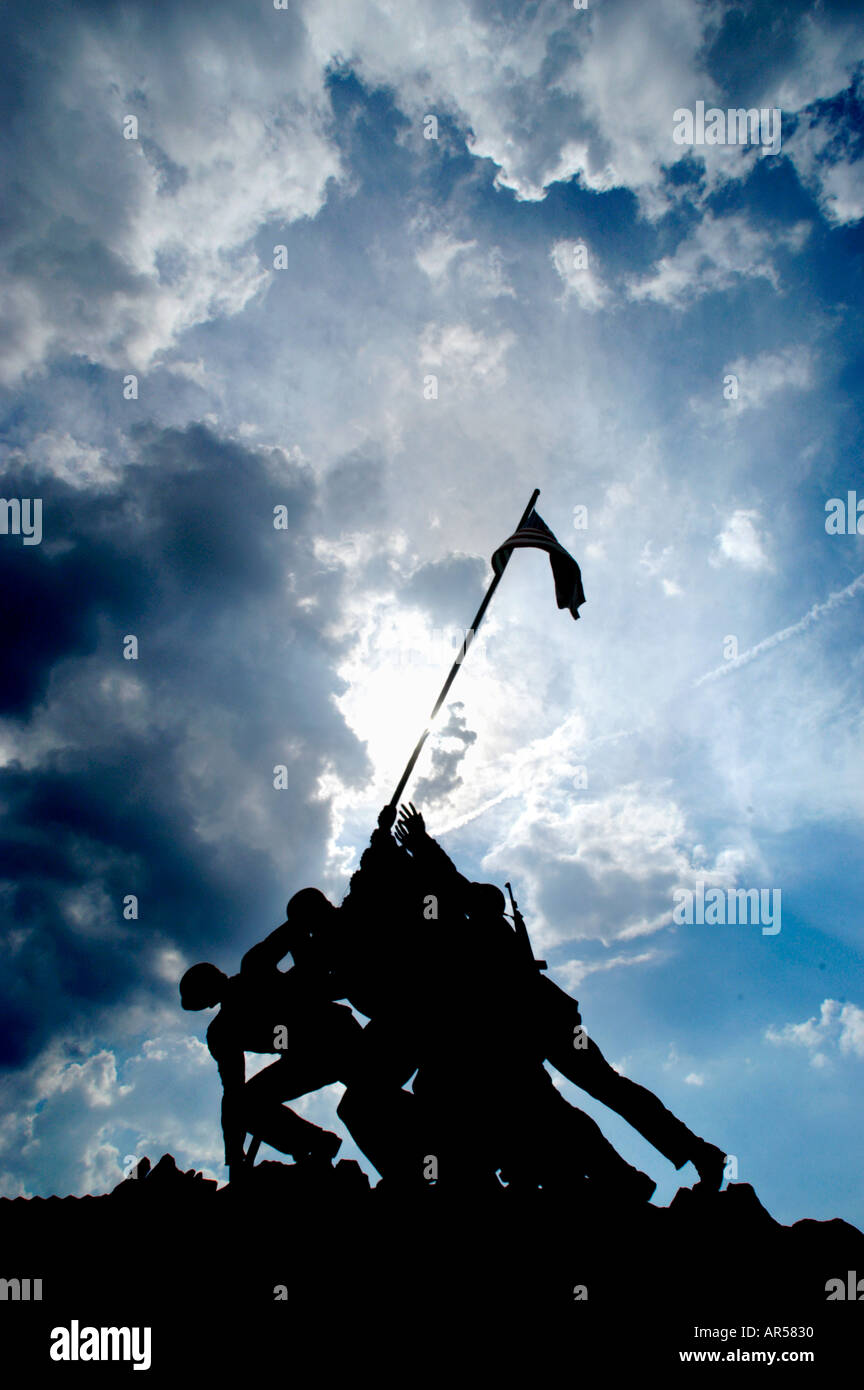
x=115, y=249
x=449, y=589
x=56, y=454
x=839, y=1028
x=741, y=542
x=96, y=1079
x=618, y=857
x=826, y=144
x=587, y=94
x=451, y=743
x=466, y=356
x=574, y=264
x=717, y=253
x=475, y=270
x=654, y=564
x=573, y=972
x=119, y=245
x=354, y=492
x=757, y=381
x=118, y=777
x=759, y=378
x=70, y=1124
x=435, y=258
x=320, y=647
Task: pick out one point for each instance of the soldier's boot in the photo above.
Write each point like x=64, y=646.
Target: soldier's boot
x=641, y=1187
x=323, y=1148
x=623, y=1185
x=710, y=1164
x=288, y=1132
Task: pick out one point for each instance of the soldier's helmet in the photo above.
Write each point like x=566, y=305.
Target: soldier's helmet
x=309, y=907
x=484, y=900
x=201, y=986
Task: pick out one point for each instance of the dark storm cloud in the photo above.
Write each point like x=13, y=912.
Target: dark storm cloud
x=39, y=625
x=354, y=492
x=192, y=526
x=157, y=774
x=449, y=589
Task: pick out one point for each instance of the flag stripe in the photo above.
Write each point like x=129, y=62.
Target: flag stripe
x=535, y=534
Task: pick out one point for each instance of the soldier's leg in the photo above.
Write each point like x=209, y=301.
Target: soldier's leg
x=634, y=1103
x=276, y=1125
x=325, y=1043
x=386, y=1053
x=557, y=1144
x=384, y=1119
x=461, y=1124
x=385, y=1127
x=321, y=1049
x=579, y=1058
x=579, y=1141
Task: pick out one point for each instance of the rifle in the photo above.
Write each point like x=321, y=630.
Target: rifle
x=522, y=933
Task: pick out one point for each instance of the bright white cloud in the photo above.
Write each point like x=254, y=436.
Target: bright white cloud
x=741, y=542
x=761, y=377
x=718, y=252
x=152, y=235
x=437, y=255
x=466, y=355
x=839, y=1028
x=55, y=454
x=69, y=1123
x=95, y=1078
x=573, y=972
x=575, y=265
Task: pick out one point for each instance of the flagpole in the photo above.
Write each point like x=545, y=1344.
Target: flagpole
x=469, y=637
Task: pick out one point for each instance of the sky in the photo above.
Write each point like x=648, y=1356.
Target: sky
x=299, y=304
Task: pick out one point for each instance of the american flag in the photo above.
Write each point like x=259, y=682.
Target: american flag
x=535, y=534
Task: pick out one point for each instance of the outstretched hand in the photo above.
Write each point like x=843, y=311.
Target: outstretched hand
x=411, y=827
x=387, y=816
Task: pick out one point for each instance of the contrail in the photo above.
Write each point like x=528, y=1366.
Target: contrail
x=533, y=755
x=816, y=612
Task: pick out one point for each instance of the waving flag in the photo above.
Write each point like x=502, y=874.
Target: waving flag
x=534, y=534
x=531, y=531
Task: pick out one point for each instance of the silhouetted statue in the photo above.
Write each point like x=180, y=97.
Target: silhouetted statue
x=435, y=966
x=290, y=1013
x=381, y=946
x=489, y=1103
x=454, y=999
x=540, y=1021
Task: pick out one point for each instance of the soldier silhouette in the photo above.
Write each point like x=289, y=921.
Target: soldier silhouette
x=290, y=1013
x=545, y=1022
x=432, y=961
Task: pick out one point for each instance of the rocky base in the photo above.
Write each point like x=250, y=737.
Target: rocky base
x=311, y=1264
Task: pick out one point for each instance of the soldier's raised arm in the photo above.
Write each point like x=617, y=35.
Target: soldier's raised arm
x=267, y=954
x=309, y=915
x=412, y=835
x=381, y=844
